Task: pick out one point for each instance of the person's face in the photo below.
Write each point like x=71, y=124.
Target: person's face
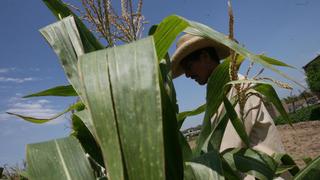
x=199, y=69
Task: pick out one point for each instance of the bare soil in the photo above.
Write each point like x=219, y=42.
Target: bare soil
x=302, y=141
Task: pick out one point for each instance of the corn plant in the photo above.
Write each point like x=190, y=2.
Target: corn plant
x=128, y=111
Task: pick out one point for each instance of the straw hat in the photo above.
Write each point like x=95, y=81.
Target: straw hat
x=189, y=43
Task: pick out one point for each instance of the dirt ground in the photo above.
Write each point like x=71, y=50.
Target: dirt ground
x=302, y=141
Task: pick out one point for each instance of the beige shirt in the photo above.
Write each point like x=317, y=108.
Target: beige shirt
x=259, y=126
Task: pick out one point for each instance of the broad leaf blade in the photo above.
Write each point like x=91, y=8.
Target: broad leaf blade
x=213, y=161
x=251, y=162
x=196, y=171
x=248, y=81
x=274, y=61
x=84, y=115
x=285, y=159
x=166, y=33
x=236, y=122
x=183, y=115
x=216, y=135
x=138, y=103
x=175, y=146
x=64, y=38
x=218, y=79
x=58, y=159
x=284, y=168
x=115, y=104
x=86, y=138
x=311, y=171
x=186, y=149
x=55, y=91
x=98, y=99
x=271, y=96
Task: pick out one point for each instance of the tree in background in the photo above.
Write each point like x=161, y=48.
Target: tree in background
x=291, y=100
x=305, y=95
x=313, y=76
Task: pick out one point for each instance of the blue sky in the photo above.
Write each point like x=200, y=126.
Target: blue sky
x=284, y=29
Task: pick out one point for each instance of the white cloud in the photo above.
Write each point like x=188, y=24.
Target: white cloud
x=16, y=80
x=5, y=70
x=4, y=116
x=34, y=69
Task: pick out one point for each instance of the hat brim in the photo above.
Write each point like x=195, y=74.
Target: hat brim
x=195, y=43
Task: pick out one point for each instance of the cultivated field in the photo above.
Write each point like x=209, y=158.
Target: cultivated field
x=302, y=141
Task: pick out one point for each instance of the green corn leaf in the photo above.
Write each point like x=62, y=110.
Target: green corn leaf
x=61, y=10
x=214, y=98
x=166, y=78
x=216, y=135
x=251, y=162
x=229, y=173
x=56, y=91
x=247, y=81
x=284, y=168
x=274, y=61
x=271, y=96
x=98, y=99
x=152, y=29
x=311, y=171
x=24, y=174
x=166, y=33
x=116, y=104
x=287, y=160
x=183, y=115
x=58, y=159
x=219, y=127
x=85, y=117
x=211, y=160
x=185, y=147
x=44, y=120
x=64, y=38
x=236, y=122
x=175, y=148
x=86, y=138
x=196, y=171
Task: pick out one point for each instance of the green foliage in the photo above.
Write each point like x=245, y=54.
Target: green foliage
x=44, y=120
x=305, y=114
x=271, y=96
x=58, y=159
x=214, y=98
x=313, y=76
x=251, y=162
x=312, y=171
x=89, y=144
x=55, y=91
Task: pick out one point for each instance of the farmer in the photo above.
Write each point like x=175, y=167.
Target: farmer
x=197, y=57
